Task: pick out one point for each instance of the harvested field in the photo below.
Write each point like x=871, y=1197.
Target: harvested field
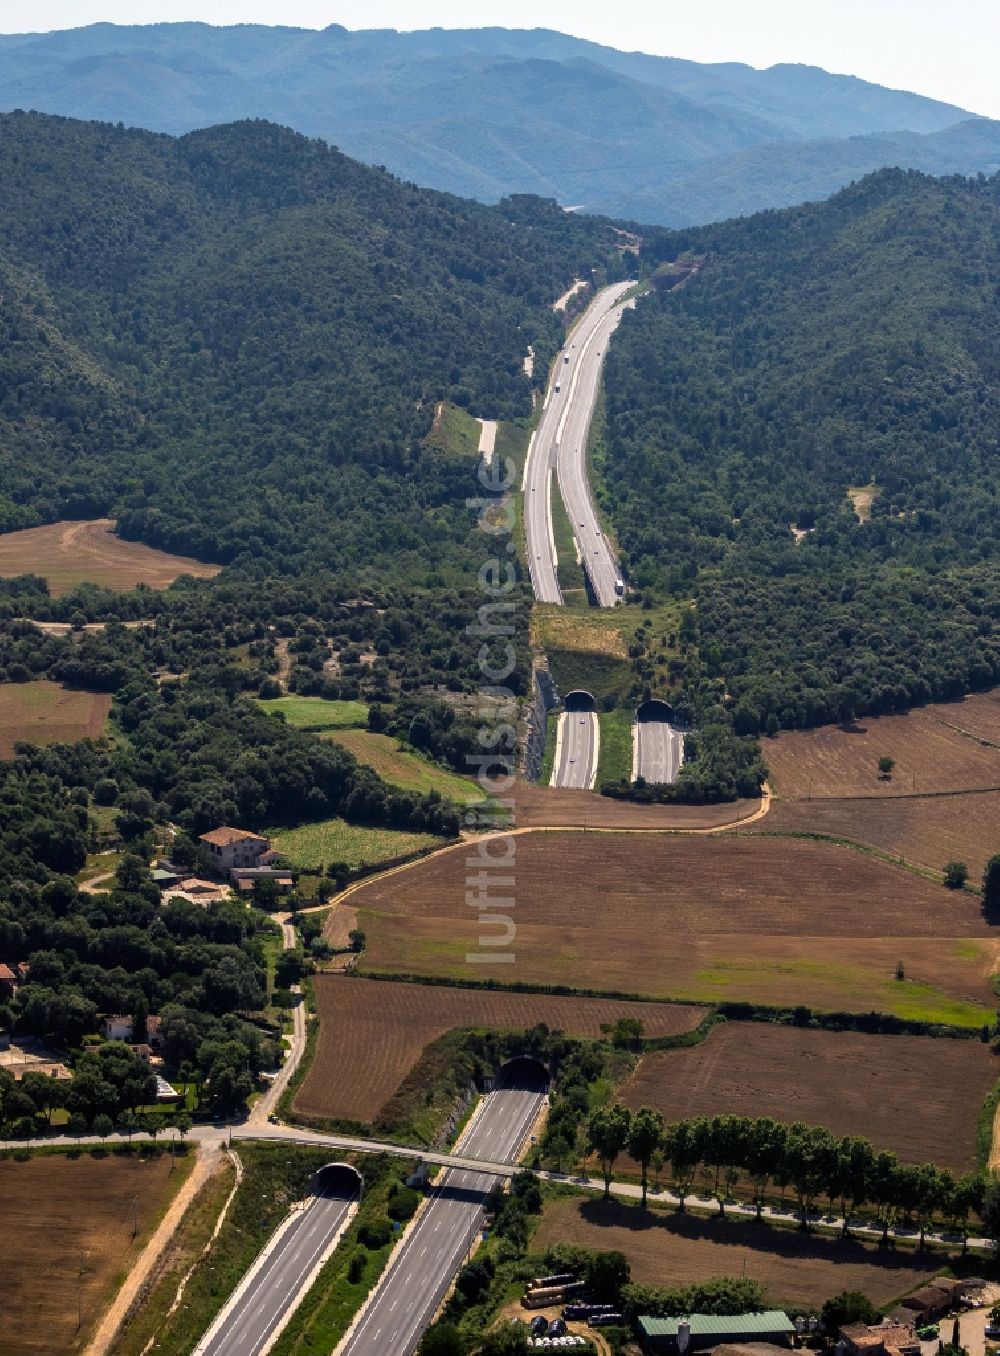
x=48, y=713
x=762, y=919
x=925, y=830
x=67, y=1241
x=372, y=1032
x=852, y=1083
x=797, y=1270
x=67, y=554
x=547, y=806
x=930, y=753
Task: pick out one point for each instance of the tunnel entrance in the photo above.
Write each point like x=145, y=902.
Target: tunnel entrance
x=337, y=1179
x=580, y=700
x=654, y=709
x=524, y=1072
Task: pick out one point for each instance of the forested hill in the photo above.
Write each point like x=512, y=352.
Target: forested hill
x=837, y=345
x=235, y=340
x=491, y=111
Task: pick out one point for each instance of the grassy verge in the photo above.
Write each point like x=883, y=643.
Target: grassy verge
x=569, y=572
x=188, y=1243
x=615, y=758
x=984, y=1129
x=332, y=1302
x=98, y=864
x=549, y=755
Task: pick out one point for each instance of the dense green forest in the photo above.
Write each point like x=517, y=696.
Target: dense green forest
x=836, y=345
x=235, y=341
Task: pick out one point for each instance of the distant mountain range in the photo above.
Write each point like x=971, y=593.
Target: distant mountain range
x=487, y=112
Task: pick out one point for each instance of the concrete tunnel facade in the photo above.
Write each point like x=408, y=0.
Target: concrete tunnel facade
x=579, y=699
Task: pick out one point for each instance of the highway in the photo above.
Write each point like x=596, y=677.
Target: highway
x=275, y=1284
x=658, y=751
x=437, y=1242
x=578, y=744
x=559, y=444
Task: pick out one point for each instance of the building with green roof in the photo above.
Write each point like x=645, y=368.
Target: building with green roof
x=704, y=1331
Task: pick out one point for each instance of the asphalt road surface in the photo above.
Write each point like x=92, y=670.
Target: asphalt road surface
x=659, y=750
x=577, y=748
x=275, y=1285
x=569, y=407
x=438, y=1242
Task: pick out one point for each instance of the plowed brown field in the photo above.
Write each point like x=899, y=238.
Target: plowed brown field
x=71, y=553
x=66, y=1239
x=926, y=830
x=800, y=1271
x=541, y=806
x=47, y=713
x=372, y=1033
x=752, y=918
x=930, y=753
x=914, y=1094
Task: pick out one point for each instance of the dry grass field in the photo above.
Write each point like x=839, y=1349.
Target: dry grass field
x=47, y=713
x=925, y=830
x=67, y=1241
x=771, y=920
x=552, y=807
x=914, y=1094
x=405, y=768
x=797, y=1270
x=930, y=753
x=372, y=1032
x=67, y=554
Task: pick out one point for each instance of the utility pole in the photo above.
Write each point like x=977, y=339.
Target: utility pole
x=135, y=1215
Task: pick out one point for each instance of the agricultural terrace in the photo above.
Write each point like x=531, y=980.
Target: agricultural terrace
x=67, y=1241
x=72, y=553
x=927, y=831
x=406, y=769
x=951, y=746
x=311, y=847
x=771, y=920
x=372, y=1033
x=48, y=713
x=914, y=1094
x=313, y=713
x=797, y=1270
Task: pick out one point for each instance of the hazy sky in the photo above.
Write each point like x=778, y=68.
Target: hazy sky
x=948, y=51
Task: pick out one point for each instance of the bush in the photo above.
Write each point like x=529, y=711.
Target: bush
x=375, y=1234
x=850, y=1306
x=403, y=1201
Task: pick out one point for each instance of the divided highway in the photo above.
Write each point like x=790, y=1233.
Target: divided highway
x=560, y=445
x=578, y=745
x=658, y=751
x=276, y=1283
x=437, y=1242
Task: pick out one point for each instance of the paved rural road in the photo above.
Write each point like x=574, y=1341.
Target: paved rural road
x=436, y=1244
x=276, y=1283
x=566, y=416
x=578, y=741
x=658, y=749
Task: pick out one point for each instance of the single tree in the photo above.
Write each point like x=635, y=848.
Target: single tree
x=885, y=766
x=644, y=1135
x=955, y=875
x=607, y=1136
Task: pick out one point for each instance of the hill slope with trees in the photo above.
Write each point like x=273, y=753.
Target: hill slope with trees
x=236, y=340
x=828, y=347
